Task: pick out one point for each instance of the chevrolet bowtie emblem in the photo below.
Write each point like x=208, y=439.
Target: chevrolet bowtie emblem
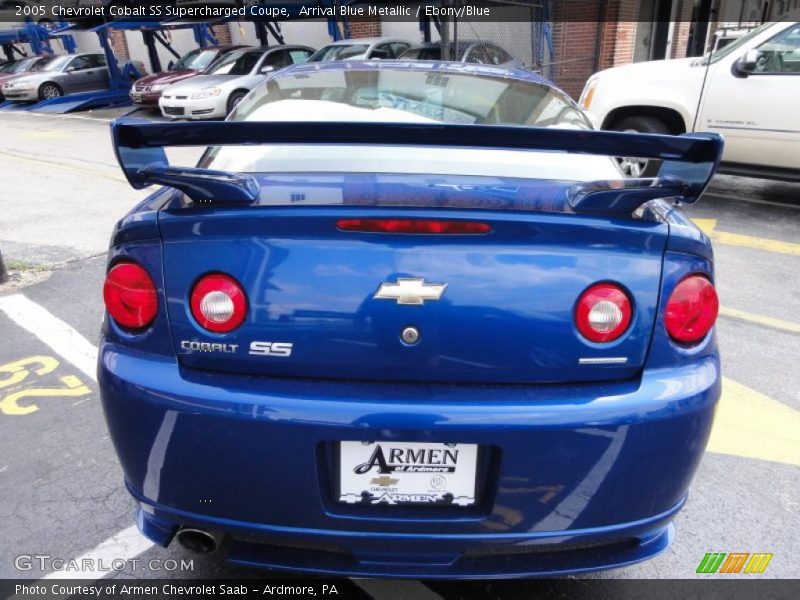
x=384, y=481
x=410, y=291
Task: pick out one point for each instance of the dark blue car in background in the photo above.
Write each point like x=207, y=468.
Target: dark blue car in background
x=410, y=320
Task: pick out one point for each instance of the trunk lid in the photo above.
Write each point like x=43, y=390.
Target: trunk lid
x=505, y=316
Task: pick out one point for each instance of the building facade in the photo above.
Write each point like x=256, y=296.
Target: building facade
x=566, y=40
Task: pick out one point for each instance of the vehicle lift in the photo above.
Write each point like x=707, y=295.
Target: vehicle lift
x=38, y=36
x=120, y=79
x=153, y=31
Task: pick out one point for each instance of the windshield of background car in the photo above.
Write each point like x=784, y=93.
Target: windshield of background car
x=42, y=64
x=412, y=95
x=235, y=63
x=196, y=59
x=24, y=65
x=735, y=45
x=338, y=52
x=53, y=64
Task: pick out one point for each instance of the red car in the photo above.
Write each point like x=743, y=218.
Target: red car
x=147, y=90
x=15, y=69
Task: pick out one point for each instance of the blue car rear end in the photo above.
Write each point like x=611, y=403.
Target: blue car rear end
x=316, y=435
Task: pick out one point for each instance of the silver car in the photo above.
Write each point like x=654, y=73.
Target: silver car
x=222, y=86
x=58, y=76
x=361, y=49
x=466, y=51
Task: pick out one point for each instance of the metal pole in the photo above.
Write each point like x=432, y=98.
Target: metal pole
x=261, y=33
x=149, y=38
x=3, y=270
x=425, y=23
x=454, y=44
x=444, y=34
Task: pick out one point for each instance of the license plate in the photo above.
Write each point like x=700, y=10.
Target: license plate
x=136, y=97
x=407, y=473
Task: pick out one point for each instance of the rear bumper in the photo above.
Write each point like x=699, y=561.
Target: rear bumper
x=577, y=478
x=422, y=556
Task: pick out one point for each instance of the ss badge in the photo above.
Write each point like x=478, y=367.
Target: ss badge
x=282, y=349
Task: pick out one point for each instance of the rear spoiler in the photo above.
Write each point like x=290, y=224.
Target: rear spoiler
x=689, y=161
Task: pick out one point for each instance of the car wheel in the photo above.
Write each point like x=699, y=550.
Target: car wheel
x=640, y=167
x=49, y=90
x=235, y=98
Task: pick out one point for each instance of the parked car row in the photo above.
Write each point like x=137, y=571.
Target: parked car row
x=14, y=69
x=217, y=91
x=45, y=77
x=208, y=83
x=147, y=90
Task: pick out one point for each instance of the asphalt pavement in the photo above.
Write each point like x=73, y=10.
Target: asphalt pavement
x=61, y=490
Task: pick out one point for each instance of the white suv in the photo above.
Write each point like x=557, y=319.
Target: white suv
x=749, y=91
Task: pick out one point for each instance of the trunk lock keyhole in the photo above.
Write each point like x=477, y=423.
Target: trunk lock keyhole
x=410, y=336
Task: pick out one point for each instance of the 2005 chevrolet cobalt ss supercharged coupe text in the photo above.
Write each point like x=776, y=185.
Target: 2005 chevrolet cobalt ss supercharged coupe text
x=433, y=333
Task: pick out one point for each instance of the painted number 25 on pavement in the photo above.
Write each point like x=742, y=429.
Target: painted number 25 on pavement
x=13, y=374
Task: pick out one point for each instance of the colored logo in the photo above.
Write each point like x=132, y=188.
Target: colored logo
x=735, y=562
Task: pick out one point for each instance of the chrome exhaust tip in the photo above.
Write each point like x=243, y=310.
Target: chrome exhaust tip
x=197, y=540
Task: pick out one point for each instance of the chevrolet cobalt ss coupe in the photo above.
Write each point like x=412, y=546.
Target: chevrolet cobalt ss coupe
x=410, y=320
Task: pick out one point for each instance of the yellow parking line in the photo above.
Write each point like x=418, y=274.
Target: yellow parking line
x=760, y=319
x=746, y=241
x=752, y=425
x=81, y=170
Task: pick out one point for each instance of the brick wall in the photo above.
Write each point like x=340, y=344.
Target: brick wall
x=680, y=34
x=222, y=33
x=119, y=44
x=590, y=35
x=575, y=35
x=618, y=37
x=362, y=28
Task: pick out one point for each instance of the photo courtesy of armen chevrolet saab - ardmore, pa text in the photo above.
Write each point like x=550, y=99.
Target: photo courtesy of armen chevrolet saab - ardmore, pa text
x=439, y=299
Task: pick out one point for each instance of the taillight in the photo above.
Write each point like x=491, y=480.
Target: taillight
x=424, y=226
x=218, y=303
x=603, y=313
x=691, y=309
x=130, y=296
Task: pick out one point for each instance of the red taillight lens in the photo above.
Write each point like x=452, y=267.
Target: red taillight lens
x=429, y=226
x=691, y=309
x=130, y=296
x=603, y=313
x=218, y=303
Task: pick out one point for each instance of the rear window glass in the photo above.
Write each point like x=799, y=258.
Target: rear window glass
x=409, y=95
x=412, y=95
